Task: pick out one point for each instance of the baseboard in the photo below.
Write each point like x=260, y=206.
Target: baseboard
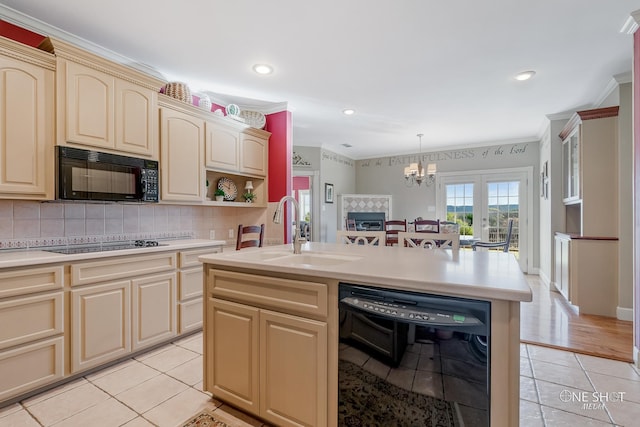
x=544, y=278
x=624, y=314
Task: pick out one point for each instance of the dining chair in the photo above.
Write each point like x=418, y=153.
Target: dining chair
x=504, y=245
x=449, y=227
x=368, y=238
x=255, y=238
x=392, y=228
x=351, y=224
x=426, y=225
x=433, y=241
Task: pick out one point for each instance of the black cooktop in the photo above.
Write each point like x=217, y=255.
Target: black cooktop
x=115, y=246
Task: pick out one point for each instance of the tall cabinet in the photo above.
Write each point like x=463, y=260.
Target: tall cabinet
x=586, y=254
x=27, y=121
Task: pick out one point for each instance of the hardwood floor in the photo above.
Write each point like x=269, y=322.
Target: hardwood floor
x=550, y=321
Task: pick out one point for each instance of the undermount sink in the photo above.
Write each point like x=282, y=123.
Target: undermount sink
x=288, y=258
x=260, y=255
x=312, y=259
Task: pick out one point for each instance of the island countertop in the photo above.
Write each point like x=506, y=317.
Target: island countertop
x=484, y=275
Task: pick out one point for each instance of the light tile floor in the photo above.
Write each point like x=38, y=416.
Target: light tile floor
x=164, y=388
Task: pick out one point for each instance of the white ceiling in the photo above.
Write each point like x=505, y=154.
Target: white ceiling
x=440, y=68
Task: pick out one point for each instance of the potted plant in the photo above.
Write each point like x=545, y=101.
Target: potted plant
x=248, y=197
x=219, y=195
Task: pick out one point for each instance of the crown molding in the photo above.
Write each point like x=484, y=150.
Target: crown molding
x=631, y=24
x=47, y=30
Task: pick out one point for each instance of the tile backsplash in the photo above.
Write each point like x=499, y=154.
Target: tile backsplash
x=25, y=224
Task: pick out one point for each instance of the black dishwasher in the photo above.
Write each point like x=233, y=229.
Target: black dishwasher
x=412, y=359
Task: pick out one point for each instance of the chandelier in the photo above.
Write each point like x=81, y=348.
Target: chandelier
x=414, y=174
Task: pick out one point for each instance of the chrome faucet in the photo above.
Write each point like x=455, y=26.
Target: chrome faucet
x=277, y=218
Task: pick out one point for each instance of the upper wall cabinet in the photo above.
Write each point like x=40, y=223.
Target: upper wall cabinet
x=590, y=172
x=237, y=149
x=27, y=122
x=104, y=105
x=181, y=155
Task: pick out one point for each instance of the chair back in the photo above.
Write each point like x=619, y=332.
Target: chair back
x=427, y=225
x=351, y=225
x=432, y=241
x=449, y=227
x=368, y=238
x=254, y=239
x=392, y=228
x=504, y=245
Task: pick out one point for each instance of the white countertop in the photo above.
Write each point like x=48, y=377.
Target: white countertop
x=484, y=275
x=30, y=257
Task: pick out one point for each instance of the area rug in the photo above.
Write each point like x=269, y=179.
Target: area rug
x=365, y=400
x=204, y=419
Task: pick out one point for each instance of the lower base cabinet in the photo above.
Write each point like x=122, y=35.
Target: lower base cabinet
x=154, y=302
x=100, y=324
x=269, y=363
x=30, y=366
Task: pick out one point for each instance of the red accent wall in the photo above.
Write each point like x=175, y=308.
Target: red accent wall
x=280, y=164
x=636, y=185
x=20, y=34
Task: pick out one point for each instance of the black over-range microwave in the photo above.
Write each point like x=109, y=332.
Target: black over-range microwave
x=94, y=176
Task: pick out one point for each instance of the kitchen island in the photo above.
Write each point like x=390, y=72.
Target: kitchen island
x=272, y=321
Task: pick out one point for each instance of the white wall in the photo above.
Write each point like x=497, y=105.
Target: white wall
x=340, y=171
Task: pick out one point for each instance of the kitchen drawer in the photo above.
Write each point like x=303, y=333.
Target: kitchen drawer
x=289, y=295
x=31, y=318
x=190, y=258
x=121, y=267
x=190, y=315
x=30, y=366
x=190, y=284
x=25, y=281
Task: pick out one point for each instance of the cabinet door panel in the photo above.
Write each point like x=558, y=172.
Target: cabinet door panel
x=100, y=324
x=89, y=112
x=253, y=155
x=154, y=309
x=222, y=149
x=293, y=356
x=28, y=367
x=30, y=318
x=26, y=120
x=233, y=364
x=136, y=119
x=181, y=156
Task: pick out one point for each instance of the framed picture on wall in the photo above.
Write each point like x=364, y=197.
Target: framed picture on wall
x=328, y=193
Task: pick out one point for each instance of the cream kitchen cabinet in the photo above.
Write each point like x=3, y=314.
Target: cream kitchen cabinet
x=266, y=337
x=182, y=171
x=190, y=279
x=104, y=105
x=222, y=147
x=587, y=273
x=27, y=95
x=590, y=143
x=253, y=154
x=230, y=148
x=120, y=305
x=32, y=342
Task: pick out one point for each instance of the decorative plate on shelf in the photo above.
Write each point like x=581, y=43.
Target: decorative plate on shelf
x=233, y=110
x=254, y=118
x=229, y=188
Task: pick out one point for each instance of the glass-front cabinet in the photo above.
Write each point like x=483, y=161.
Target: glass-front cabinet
x=571, y=167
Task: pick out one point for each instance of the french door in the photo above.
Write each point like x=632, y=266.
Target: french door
x=482, y=204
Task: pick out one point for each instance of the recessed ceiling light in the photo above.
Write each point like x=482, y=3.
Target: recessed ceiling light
x=525, y=75
x=348, y=111
x=263, y=69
